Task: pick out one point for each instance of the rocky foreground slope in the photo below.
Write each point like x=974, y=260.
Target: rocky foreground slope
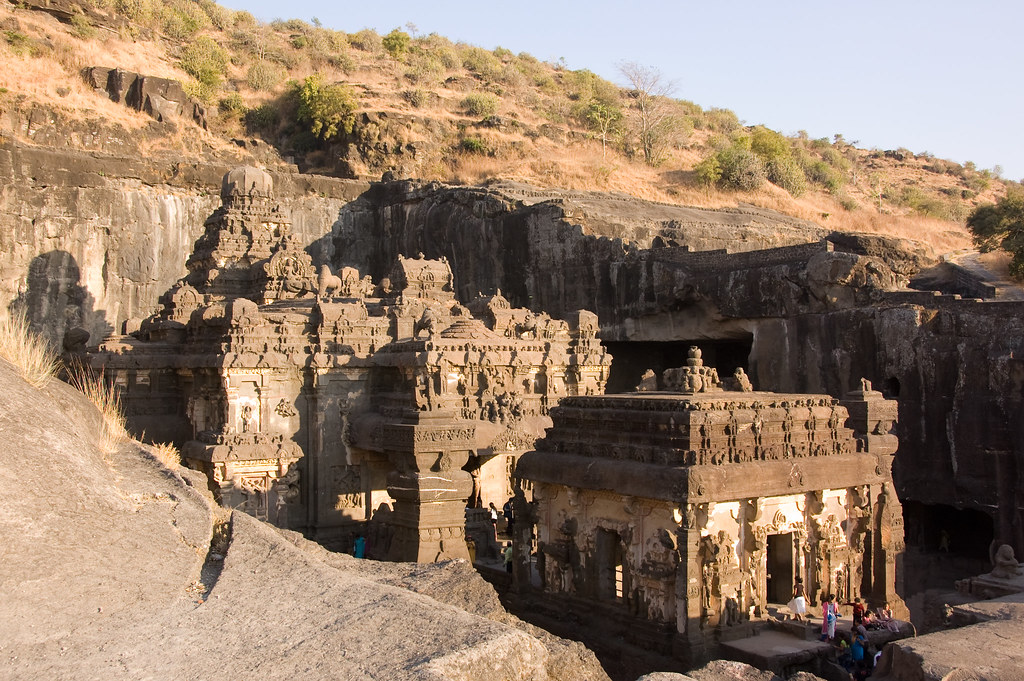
x=108, y=572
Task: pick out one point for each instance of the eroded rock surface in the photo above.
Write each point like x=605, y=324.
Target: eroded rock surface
x=104, y=556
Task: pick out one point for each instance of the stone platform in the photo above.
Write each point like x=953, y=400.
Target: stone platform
x=774, y=650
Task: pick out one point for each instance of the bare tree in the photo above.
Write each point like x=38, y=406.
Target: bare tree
x=654, y=119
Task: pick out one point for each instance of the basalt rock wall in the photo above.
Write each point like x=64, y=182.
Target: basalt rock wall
x=818, y=318
x=92, y=241
x=555, y=251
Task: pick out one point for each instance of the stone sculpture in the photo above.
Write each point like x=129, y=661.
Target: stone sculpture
x=1004, y=563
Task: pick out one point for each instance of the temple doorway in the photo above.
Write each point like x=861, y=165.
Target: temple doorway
x=779, y=568
x=612, y=577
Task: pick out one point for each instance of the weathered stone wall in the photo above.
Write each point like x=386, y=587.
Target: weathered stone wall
x=957, y=369
x=93, y=241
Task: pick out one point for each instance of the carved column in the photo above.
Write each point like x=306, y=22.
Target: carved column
x=871, y=419
x=690, y=583
x=430, y=490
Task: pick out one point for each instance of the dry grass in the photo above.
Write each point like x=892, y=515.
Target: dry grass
x=166, y=453
x=50, y=74
x=30, y=353
x=105, y=396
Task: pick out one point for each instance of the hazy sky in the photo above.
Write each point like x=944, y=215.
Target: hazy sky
x=935, y=76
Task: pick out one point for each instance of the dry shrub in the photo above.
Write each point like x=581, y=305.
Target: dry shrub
x=105, y=397
x=167, y=454
x=29, y=352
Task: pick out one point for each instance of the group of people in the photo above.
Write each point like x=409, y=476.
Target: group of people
x=859, y=663
x=508, y=511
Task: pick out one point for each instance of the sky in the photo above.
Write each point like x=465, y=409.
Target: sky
x=940, y=77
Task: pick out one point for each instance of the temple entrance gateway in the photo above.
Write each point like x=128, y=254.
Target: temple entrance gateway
x=779, y=567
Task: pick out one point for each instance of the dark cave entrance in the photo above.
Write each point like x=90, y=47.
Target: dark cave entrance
x=630, y=359
x=944, y=543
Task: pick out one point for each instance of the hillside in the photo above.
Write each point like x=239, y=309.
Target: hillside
x=424, y=107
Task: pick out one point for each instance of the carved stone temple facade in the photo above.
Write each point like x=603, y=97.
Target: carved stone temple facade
x=335, y=405
x=685, y=512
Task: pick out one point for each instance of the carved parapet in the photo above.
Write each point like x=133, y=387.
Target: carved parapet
x=871, y=417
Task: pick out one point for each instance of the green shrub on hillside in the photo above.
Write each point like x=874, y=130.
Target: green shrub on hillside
x=366, y=40
x=473, y=145
x=786, y=173
x=396, y=43
x=708, y=172
x=207, y=62
x=81, y=27
x=741, y=168
x=720, y=120
x=780, y=167
x=328, y=109
x=182, y=19
x=1001, y=225
x=243, y=19
x=264, y=76
x=263, y=118
x=480, y=104
x=136, y=11
x=481, y=62
x=232, y=105
x=417, y=98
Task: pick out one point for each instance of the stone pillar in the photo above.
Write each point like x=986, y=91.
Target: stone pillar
x=871, y=419
x=429, y=487
x=690, y=585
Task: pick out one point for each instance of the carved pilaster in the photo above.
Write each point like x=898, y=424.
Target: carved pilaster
x=429, y=487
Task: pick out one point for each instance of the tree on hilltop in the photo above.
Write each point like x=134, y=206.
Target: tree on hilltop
x=654, y=122
x=1001, y=225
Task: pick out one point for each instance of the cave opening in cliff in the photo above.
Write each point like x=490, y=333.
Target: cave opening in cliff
x=630, y=359
x=944, y=543
x=946, y=529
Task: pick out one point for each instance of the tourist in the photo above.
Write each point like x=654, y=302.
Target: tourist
x=858, y=611
x=359, y=547
x=494, y=520
x=858, y=650
x=509, y=512
x=508, y=557
x=829, y=615
x=885, y=619
x=798, y=606
x=868, y=621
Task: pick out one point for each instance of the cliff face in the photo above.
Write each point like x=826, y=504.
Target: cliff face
x=93, y=241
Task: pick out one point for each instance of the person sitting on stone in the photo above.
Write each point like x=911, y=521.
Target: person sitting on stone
x=868, y=621
x=885, y=619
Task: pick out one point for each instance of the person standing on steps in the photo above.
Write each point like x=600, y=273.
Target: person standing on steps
x=509, y=513
x=798, y=605
x=494, y=520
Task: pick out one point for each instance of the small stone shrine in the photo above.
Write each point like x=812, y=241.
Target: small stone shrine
x=687, y=511
x=331, y=404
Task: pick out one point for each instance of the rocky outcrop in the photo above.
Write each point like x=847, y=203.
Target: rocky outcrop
x=113, y=569
x=162, y=98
